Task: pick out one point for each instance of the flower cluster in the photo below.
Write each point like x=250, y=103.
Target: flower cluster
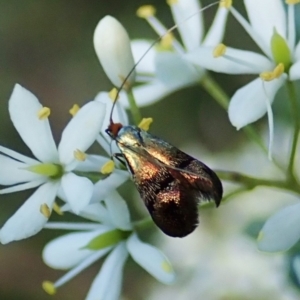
x=86, y=183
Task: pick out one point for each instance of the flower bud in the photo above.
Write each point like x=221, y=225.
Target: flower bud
x=112, y=46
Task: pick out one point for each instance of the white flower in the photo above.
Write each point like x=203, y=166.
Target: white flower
x=281, y=231
x=165, y=69
x=275, y=35
x=112, y=233
x=52, y=168
x=112, y=46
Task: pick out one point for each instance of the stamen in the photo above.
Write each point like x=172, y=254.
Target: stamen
x=166, y=266
x=108, y=167
x=74, y=110
x=292, y=1
x=146, y=11
x=219, y=50
x=113, y=94
x=266, y=76
x=270, y=121
x=172, y=2
x=145, y=123
x=79, y=155
x=49, y=287
x=225, y=3
x=57, y=209
x=45, y=210
x=279, y=70
x=276, y=73
x=166, y=42
x=44, y=113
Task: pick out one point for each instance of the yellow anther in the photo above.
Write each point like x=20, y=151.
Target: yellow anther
x=166, y=42
x=166, y=266
x=45, y=210
x=79, y=155
x=260, y=236
x=44, y=113
x=113, y=94
x=266, y=76
x=172, y=2
x=108, y=167
x=219, y=50
x=49, y=287
x=145, y=123
x=57, y=209
x=146, y=11
x=292, y=1
x=276, y=73
x=279, y=70
x=74, y=110
x=225, y=3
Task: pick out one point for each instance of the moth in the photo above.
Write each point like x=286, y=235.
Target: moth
x=170, y=182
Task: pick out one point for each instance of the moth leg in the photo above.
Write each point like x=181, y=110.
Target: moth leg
x=120, y=158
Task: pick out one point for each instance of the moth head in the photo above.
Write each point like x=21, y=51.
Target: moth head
x=130, y=137
x=113, y=129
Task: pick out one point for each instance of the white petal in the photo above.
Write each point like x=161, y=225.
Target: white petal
x=189, y=20
x=291, y=33
x=295, y=71
x=98, y=213
x=151, y=259
x=36, y=133
x=216, y=31
x=266, y=15
x=150, y=93
x=81, y=131
x=23, y=186
x=17, y=156
x=78, y=191
x=72, y=226
x=234, y=61
x=281, y=231
x=67, y=251
x=92, y=163
x=28, y=220
x=139, y=48
x=108, y=283
x=112, y=46
x=13, y=172
x=167, y=66
x=248, y=104
x=103, y=187
x=118, y=211
x=96, y=255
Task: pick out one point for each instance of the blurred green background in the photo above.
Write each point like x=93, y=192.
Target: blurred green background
x=46, y=46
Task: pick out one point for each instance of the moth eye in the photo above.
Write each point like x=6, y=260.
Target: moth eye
x=137, y=145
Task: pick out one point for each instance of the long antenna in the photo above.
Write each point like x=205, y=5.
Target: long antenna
x=150, y=47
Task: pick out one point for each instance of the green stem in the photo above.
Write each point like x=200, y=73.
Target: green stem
x=213, y=88
x=135, y=111
x=296, y=118
x=143, y=224
x=252, y=182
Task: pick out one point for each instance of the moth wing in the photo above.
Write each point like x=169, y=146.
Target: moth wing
x=169, y=198
x=175, y=209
